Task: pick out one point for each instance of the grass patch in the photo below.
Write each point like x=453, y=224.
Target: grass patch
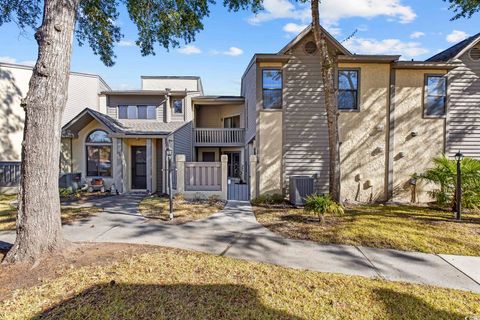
x=177, y=284
x=157, y=207
x=8, y=213
x=406, y=228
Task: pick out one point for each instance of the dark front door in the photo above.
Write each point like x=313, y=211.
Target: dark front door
x=139, y=167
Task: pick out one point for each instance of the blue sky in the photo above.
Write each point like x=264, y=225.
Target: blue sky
x=414, y=29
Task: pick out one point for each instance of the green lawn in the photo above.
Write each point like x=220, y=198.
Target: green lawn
x=407, y=228
x=156, y=207
x=176, y=284
x=8, y=213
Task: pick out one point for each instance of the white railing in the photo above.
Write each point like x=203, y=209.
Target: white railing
x=219, y=136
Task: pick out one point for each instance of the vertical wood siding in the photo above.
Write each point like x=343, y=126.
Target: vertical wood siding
x=463, y=123
x=305, y=120
x=182, y=140
x=249, y=91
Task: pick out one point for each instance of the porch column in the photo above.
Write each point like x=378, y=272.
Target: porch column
x=253, y=176
x=224, y=160
x=180, y=173
x=149, y=165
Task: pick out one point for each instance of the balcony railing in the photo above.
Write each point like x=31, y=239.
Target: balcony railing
x=219, y=137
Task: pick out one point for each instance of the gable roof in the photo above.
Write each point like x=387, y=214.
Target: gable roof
x=119, y=126
x=305, y=32
x=455, y=51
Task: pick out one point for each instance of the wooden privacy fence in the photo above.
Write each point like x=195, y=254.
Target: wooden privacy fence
x=9, y=173
x=203, y=176
x=201, y=179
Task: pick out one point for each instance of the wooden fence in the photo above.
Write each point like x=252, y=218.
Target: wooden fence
x=203, y=176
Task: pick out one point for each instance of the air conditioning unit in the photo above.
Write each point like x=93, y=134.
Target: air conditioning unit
x=300, y=188
x=70, y=180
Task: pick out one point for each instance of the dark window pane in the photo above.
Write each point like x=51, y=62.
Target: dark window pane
x=151, y=112
x=208, y=156
x=98, y=136
x=348, y=79
x=142, y=112
x=105, y=163
x=272, y=99
x=435, y=106
x=347, y=100
x=231, y=122
x=272, y=79
x=122, y=112
x=178, y=106
x=92, y=160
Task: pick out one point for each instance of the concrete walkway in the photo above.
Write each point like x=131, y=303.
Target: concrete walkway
x=234, y=232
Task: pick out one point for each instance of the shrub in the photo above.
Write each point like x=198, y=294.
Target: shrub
x=444, y=175
x=321, y=205
x=268, y=199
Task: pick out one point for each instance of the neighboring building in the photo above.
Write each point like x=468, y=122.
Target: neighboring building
x=395, y=117
x=83, y=92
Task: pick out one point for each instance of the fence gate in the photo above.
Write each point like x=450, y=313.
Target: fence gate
x=237, y=187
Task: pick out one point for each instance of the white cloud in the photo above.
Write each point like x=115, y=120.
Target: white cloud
x=417, y=34
x=189, y=49
x=334, y=10
x=456, y=36
x=233, y=51
x=126, y=43
x=386, y=46
x=294, y=28
x=7, y=59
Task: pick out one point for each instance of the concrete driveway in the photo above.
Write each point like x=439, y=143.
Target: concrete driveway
x=234, y=232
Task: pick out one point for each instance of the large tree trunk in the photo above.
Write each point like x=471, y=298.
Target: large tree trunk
x=39, y=227
x=328, y=62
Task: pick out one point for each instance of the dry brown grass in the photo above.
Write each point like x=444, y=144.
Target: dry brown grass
x=160, y=283
x=407, y=228
x=156, y=207
x=8, y=213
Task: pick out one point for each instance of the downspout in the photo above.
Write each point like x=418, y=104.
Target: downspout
x=390, y=137
x=71, y=154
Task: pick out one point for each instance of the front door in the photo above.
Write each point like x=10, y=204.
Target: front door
x=139, y=167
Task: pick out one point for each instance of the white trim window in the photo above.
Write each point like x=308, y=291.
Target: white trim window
x=177, y=105
x=98, y=147
x=435, y=100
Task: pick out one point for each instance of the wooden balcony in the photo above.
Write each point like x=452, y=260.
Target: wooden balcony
x=219, y=137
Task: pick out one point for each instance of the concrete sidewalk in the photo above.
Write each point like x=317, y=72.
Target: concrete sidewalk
x=234, y=232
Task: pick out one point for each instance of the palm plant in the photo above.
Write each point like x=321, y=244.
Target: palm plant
x=444, y=173
x=321, y=205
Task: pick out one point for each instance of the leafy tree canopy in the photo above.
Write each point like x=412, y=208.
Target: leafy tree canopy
x=464, y=8
x=166, y=22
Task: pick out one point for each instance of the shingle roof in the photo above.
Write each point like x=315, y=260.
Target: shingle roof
x=453, y=51
x=127, y=126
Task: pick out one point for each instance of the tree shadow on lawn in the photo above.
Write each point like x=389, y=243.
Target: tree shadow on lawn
x=179, y=301
x=399, y=305
x=218, y=301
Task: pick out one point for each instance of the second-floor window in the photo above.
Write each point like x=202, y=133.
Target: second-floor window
x=272, y=88
x=435, y=103
x=231, y=122
x=137, y=112
x=347, y=90
x=177, y=106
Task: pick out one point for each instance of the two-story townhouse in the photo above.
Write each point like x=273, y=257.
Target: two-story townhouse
x=394, y=117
